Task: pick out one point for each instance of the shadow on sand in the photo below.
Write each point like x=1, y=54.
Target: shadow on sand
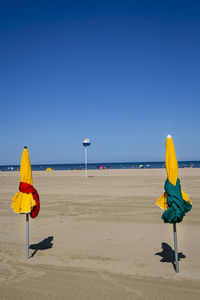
x=45, y=244
x=168, y=254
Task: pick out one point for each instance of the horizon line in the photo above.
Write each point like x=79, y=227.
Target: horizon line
x=90, y=163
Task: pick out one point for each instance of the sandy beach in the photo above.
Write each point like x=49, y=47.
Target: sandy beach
x=99, y=238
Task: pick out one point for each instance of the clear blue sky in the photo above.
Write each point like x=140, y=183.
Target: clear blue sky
x=123, y=73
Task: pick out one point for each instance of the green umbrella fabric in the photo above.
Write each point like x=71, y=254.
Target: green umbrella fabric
x=177, y=206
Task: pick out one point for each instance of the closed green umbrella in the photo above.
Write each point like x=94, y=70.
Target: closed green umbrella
x=174, y=201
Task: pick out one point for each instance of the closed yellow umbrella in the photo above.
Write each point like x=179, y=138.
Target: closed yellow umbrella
x=23, y=202
x=172, y=172
x=27, y=199
x=174, y=201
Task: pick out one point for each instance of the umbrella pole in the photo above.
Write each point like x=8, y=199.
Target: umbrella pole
x=176, y=248
x=27, y=236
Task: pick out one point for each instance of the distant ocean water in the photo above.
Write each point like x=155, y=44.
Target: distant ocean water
x=94, y=166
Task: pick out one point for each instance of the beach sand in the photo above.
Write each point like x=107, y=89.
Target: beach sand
x=99, y=238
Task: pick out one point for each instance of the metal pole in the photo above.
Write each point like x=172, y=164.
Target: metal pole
x=176, y=248
x=85, y=162
x=27, y=236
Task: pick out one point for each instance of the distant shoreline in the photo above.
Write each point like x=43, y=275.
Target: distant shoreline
x=95, y=166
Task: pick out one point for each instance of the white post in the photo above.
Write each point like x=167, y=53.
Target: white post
x=27, y=236
x=86, y=143
x=85, y=162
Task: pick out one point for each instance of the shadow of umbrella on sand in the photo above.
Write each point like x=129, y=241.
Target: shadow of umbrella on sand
x=44, y=245
x=167, y=254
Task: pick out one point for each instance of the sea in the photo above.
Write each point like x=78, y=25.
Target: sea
x=111, y=165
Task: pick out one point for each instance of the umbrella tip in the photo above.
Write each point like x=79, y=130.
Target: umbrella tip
x=169, y=136
x=25, y=147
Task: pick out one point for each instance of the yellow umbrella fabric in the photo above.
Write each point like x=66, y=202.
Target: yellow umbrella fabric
x=23, y=202
x=171, y=161
x=172, y=172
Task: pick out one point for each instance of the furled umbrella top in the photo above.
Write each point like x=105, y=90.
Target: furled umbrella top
x=25, y=168
x=171, y=161
x=174, y=201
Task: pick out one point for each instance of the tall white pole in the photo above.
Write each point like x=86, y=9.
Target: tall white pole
x=86, y=143
x=85, y=162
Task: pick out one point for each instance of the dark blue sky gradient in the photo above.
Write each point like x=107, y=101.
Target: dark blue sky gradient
x=124, y=73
